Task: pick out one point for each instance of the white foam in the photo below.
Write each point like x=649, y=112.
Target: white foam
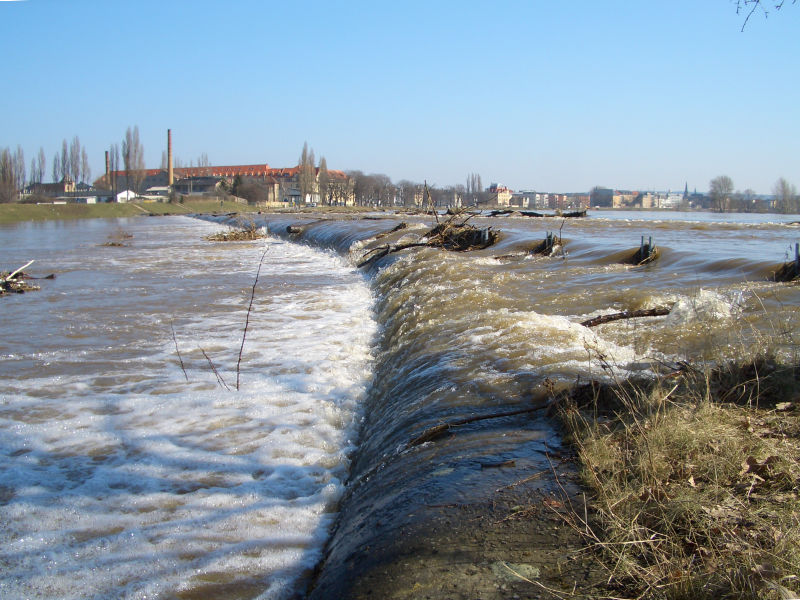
x=125, y=480
x=705, y=305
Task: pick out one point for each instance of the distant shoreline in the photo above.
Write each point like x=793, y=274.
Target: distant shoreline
x=19, y=213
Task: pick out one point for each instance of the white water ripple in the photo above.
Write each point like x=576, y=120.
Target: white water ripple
x=121, y=479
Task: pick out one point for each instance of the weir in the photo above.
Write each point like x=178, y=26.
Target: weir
x=459, y=477
x=462, y=510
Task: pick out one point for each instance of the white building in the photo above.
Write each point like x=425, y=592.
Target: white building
x=126, y=196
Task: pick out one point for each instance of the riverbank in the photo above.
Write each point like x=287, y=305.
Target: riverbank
x=693, y=479
x=16, y=213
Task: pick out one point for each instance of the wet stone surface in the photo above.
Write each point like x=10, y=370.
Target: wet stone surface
x=506, y=541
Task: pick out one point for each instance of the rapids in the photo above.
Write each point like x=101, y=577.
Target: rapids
x=496, y=330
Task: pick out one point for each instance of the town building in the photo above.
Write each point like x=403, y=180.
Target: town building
x=499, y=195
x=601, y=197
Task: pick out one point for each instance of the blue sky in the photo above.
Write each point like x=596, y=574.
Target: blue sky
x=552, y=96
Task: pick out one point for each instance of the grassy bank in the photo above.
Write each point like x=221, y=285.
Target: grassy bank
x=695, y=481
x=15, y=213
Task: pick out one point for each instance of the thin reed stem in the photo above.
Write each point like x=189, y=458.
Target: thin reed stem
x=247, y=318
x=178, y=352
x=220, y=380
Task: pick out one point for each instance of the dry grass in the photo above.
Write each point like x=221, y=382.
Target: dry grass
x=695, y=481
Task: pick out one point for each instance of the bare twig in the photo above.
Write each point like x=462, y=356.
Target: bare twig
x=430, y=202
x=220, y=380
x=247, y=318
x=178, y=352
x=438, y=430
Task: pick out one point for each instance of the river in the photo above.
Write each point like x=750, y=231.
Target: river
x=123, y=477
x=124, y=474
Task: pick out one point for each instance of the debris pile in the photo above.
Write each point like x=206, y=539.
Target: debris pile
x=244, y=232
x=118, y=239
x=16, y=282
x=454, y=234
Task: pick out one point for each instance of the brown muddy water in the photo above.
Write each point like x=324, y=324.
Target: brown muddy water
x=492, y=331
x=240, y=494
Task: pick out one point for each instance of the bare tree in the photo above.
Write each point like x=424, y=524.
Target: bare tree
x=19, y=168
x=748, y=7
x=324, y=182
x=133, y=159
x=786, y=200
x=64, y=164
x=75, y=159
x=8, y=191
x=410, y=193
x=56, y=168
x=720, y=190
x=12, y=173
x=360, y=190
x=113, y=168
x=86, y=170
x=41, y=166
x=384, y=190
x=306, y=175
x=474, y=189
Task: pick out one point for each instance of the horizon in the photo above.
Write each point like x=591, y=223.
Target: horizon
x=550, y=98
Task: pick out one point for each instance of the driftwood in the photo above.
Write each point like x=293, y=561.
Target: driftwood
x=438, y=431
x=18, y=271
x=14, y=282
x=294, y=229
x=238, y=235
x=506, y=212
x=628, y=314
x=399, y=227
x=448, y=235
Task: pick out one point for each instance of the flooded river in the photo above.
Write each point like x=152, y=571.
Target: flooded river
x=131, y=467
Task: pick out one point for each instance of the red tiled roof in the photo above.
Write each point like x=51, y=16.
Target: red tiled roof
x=261, y=170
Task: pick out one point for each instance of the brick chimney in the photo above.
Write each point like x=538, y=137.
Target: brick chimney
x=169, y=156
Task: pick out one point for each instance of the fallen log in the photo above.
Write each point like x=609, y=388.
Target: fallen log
x=510, y=212
x=628, y=314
